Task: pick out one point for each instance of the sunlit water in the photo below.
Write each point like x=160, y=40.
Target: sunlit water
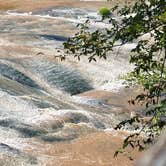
x=38, y=93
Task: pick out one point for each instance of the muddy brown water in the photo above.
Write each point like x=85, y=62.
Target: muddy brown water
x=53, y=112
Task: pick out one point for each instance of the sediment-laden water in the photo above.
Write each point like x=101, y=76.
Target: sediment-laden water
x=40, y=99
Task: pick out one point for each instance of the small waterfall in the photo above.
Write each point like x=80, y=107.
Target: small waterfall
x=65, y=79
x=58, y=75
x=15, y=75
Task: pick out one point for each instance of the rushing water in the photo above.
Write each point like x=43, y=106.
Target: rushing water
x=36, y=89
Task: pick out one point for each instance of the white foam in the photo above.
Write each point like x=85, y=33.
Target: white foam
x=13, y=13
x=80, y=19
x=113, y=86
x=87, y=101
x=4, y=42
x=16, y=105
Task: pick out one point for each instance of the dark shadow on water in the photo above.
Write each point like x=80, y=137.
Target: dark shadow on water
x=54, y=37
x=28, y=132
x=8, y=148
x=60, y=76
x=25, y=130
x=66, y=79
x=57, y=138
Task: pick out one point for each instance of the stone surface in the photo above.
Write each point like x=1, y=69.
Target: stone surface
x=155, y=156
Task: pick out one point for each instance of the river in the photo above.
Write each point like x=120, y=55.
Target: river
x=51, y=110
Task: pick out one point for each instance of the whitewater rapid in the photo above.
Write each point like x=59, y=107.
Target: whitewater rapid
x=40, y=95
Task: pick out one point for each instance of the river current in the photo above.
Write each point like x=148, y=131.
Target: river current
x=40, y=96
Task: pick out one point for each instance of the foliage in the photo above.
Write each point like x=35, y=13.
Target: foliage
x=104, y=12
x=144, y=18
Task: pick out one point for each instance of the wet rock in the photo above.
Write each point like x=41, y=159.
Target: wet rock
x=156, y=156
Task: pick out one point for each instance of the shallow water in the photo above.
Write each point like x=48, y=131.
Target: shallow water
x=39, y=93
